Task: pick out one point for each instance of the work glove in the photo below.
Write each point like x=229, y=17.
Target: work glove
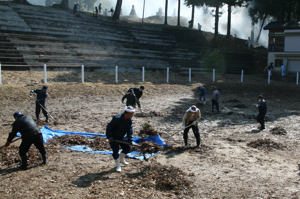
x=7, y=143
x=194, y=123
x=183, y=127
x=30, y=93
x=256, y=105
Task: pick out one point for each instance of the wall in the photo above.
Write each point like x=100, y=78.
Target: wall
x=292, y=42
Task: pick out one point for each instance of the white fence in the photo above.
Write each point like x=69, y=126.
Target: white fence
x=143, y=75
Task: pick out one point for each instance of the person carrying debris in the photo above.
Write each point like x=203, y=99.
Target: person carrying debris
x=190, y=120
x=215, y=98
x=202, y=94
x=41, y=95
x=138, y=94
x=31, y=134
x=131, y=98
x=119, y=126
x=262, y=109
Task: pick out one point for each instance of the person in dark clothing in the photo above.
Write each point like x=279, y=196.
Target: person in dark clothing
x=215, y=99
x=41, y=95
x=262, y=109
x=119, y=126
x=75, y=7
x=131, y=99
x=202, y=94
x=138, y=94
x=31, y=134
x=96, y=11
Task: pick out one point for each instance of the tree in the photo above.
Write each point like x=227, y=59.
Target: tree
x=234, y=3
x=166, y=13
x=117, y=12
x=178, y=18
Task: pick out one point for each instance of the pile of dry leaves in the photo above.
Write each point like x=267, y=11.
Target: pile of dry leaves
x=265, y=144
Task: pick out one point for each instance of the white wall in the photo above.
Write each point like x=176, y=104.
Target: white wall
x=292, y=43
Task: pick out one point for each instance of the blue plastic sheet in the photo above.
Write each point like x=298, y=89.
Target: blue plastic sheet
x=49, y=134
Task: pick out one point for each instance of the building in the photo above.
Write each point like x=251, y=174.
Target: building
x=284, y=45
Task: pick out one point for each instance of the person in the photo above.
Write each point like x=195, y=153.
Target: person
x=96, y=11
x=131, y=99
x=199, y=27
x=215, y=99
x=270, y=68
x=41, y=95
x=249, y=42
x=116, y=129
x=190, y=120
x=31, y=134
x=138, y=94
x=191, y=23
x=282, y=70
x=75, y=7
x=202, y=94
x=100, y=8
x=262, y=109
x=112, y=11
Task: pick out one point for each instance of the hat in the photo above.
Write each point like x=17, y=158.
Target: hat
x=130, y=91
x=219, y=89
x=193, y=109
x=129, y=109
x=260, y=97
x=45, y=87
x=142, y=87
x=17, y=114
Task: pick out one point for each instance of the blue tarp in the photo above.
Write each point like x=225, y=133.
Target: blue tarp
x=49, y=134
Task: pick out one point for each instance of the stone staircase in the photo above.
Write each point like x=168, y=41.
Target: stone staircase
x=31, y=36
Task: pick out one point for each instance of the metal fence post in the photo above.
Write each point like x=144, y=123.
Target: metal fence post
x=45, y=73
x=297, y=79
x=116, y=74
x=82, y=73
x=242, y=76
x=143, y=74
x=190, y=74
x=167, y=74
x=0, y=74
x=214, y=71
x=269, y=76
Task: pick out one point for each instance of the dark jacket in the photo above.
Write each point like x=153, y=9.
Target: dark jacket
x=40, y=95
x=118, y=128
x=26, y=126
x=131, y=99
x=137, y=92
x=262, y=108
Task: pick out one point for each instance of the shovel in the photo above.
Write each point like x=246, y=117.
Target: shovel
x=55, y=122
x=12, y=142
x=122, y=142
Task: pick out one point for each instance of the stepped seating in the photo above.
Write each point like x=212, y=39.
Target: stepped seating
x=32, y=36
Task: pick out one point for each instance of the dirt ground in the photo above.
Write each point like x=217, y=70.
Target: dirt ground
x=235, y=160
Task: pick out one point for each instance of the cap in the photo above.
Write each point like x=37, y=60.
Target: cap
x=193, y=108
x=260, y=97
x=130, y=91
x=45, y=87
x=17, y=114
x=129, y=109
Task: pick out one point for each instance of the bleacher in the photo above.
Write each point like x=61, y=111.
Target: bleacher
x=31, y=36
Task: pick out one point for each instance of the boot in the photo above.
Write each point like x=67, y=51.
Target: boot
x=24, y=163
x=122, y=159
x=118, y=169
x=141, y=110
x=44, y=159
x=47, y=119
